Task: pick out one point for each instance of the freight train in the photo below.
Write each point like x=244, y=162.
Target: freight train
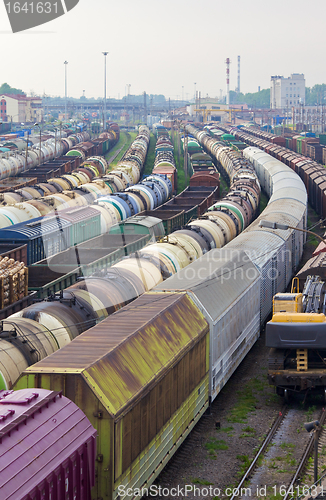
x=24, y=155
x=139, y=272
x=146, y=374
x=47, y=233
x=312, y=173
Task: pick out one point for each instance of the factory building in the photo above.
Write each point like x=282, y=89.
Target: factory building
x=20, y=108
x=287, y=92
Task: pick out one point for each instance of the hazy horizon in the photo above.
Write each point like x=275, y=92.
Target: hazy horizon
x=162, y=48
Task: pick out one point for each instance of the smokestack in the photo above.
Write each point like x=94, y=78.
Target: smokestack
x=238, y=89
x=228, y=81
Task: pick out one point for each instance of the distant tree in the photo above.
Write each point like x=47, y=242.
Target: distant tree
x=6, y=89
x=256, y=99
x=316, y=95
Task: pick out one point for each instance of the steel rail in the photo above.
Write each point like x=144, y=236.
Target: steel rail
x=304, y=458
x=267, y=440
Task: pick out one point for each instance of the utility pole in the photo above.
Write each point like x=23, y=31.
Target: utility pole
x=185, y=152
x=105, y=54
x=179, y=140
x=65, y=63
x=145, y=107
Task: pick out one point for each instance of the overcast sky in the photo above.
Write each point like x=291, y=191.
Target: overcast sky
x=158, y=47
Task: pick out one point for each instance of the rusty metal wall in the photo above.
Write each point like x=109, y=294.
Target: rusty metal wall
x=139, y=426
x=145, y=363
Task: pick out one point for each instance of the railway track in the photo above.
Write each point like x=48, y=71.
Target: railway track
x=267, y=473
x=267, y=441
x=113, y=157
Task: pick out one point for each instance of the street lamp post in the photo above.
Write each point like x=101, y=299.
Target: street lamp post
x=65, y=63
x=39, y=158
x=105, y=54
x=26, y=152
x=55, y=142
x=11, y=117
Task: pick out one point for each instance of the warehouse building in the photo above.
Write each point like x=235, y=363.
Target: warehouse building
x=286, y=92
x=20, y=108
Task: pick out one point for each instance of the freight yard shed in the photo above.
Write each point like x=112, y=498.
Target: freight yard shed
x=141, y=378
x=47, y=447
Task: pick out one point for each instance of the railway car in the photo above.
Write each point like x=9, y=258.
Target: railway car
x=93, y=257
x=310, y=171
x=126, y=280
x=48, y=447
x=164, y=163
x=142, y=437
x=148, y=409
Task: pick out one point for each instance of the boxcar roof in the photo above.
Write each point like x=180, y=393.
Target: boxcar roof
x=216, y=279
x=124, y=354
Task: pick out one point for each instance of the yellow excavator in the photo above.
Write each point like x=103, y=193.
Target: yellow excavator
x=296, y=336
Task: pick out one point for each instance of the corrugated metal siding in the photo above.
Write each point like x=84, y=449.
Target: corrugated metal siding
x=52, y=440
x=204, y=277
x=261, y=246
x=155, y=456
x=135, y=430
x=225, y=285
x=233, y=335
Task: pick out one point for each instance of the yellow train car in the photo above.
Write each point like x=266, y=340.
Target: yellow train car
x=141, y=378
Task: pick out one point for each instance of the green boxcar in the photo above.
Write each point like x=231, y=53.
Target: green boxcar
x=228, y=137
x=299, y=144
x=63, y=269
x=86, y=223
x=322, y=139
x=140, y=224
x=141, y=387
